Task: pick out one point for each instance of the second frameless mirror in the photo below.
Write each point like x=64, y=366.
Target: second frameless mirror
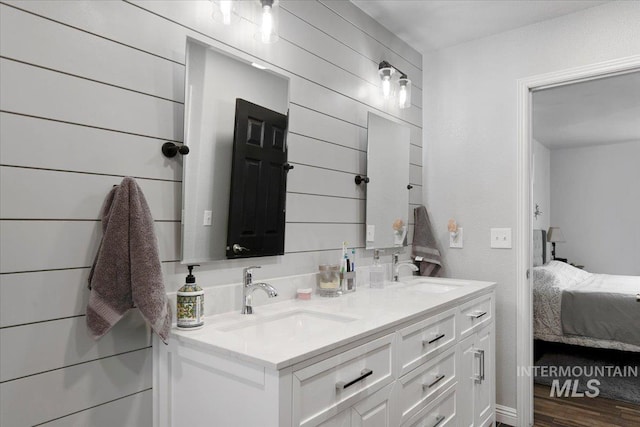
x=387, y=192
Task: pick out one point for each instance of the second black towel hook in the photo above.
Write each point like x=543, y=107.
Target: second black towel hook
x=360, y=179
x=169, y=149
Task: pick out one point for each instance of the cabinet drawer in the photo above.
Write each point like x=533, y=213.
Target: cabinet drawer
x=475, y=314
x=327, y=387
x=425, y=339
x=424, y=383
x=441, y=413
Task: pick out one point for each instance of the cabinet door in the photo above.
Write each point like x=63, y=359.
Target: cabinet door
x=375, y=410
x=483, y=399
x=468, y=368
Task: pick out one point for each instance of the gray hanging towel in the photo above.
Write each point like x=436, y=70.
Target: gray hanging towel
x=126, y=272
x=424, y=243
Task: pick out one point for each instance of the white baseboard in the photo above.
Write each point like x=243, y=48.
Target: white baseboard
x=506, y=415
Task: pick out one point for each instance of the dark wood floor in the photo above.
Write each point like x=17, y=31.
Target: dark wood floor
x=585, y=411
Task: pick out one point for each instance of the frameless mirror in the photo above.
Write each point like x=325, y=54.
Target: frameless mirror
x=214, y=81
x=387, y=189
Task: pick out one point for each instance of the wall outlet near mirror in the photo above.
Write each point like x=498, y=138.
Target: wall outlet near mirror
x=371, y=233
x=206, y=220
x=455, y=239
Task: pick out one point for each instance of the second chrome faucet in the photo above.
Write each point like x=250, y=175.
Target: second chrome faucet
x=397, y=265
x=248, y=287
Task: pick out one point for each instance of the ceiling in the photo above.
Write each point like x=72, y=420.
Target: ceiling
x=434, y=24
x=602, y=111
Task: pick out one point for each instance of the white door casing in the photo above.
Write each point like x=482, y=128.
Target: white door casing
x=524, y=228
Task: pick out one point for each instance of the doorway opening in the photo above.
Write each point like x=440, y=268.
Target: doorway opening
x=527, y=209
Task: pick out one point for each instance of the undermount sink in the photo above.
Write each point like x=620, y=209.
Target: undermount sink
x=433, y=287
x=287, y=324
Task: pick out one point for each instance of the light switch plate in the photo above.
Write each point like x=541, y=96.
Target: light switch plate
x=456, y=241
x=501, y=238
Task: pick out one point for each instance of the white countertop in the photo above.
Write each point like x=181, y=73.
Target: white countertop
x=357, y=315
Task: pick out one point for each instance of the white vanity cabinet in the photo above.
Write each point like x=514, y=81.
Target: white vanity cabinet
x=477, y=364
x=325, y=388
x=433, y=370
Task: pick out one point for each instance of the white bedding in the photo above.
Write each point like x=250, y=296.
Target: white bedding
x=550, y=280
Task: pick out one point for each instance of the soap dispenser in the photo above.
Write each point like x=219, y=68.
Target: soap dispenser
x=190, y=311
x=376, y=272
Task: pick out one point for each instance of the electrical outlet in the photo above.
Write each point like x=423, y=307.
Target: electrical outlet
x=207, y=218
x=371, y=233
x=455, y=239
x=501, y=238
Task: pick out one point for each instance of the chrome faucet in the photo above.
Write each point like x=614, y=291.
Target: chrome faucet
x=397, y=265
x=248, y=287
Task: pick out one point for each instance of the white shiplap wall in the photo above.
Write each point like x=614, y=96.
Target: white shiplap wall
x=89, y=92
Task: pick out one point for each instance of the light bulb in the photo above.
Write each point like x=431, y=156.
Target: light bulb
x=386, y=86
x=225, y=9
x=402, y=96
x=267, y=23
x=386, y=71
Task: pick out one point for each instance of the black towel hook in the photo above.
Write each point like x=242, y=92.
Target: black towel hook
x=360, y=179
x=169, y=149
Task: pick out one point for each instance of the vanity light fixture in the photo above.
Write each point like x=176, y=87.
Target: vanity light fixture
x=386, y=72
x=268, y=21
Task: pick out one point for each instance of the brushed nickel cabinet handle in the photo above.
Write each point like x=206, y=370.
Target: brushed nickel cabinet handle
x=479, y=377
x=477, y=315
x=436, y=381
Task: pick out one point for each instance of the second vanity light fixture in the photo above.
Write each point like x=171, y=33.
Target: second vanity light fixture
x=386, y=72
x=263, y=13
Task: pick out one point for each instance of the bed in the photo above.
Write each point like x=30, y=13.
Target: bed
x=574, y=306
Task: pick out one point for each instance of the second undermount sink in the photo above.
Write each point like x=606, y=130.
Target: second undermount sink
x=286, y=325
x=433, y=287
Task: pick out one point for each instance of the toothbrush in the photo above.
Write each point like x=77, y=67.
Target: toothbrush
x=353, y=258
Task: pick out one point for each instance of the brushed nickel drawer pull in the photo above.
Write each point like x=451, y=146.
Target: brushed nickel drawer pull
x=436, y=381
x=479, y=377
x=341, y=385
x=439, y=420
x=438, y=337
x=477, y=315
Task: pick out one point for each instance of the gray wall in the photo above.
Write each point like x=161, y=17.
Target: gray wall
x=595, y=194
x=470, y=138
x=90, y=91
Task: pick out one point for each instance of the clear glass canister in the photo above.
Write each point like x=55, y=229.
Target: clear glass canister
x=329, y=280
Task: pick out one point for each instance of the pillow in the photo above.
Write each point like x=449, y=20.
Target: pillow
x=567, y=274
